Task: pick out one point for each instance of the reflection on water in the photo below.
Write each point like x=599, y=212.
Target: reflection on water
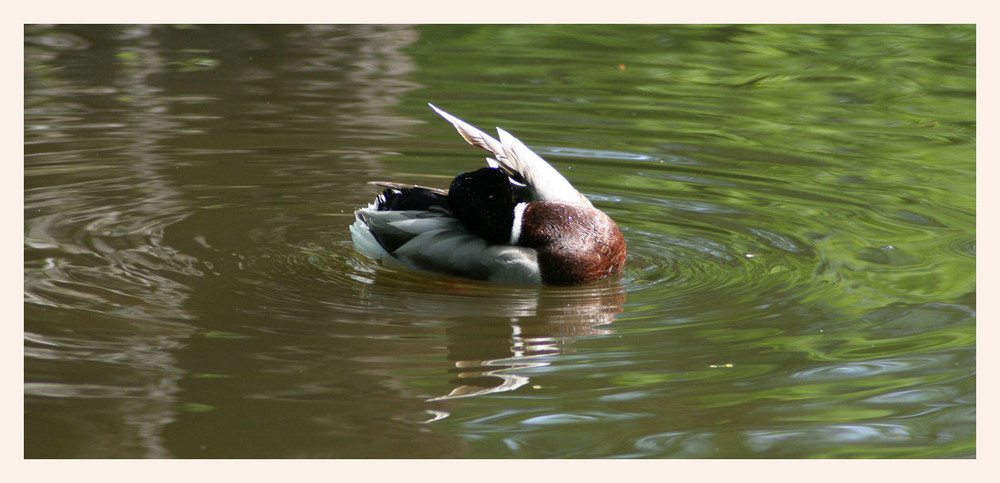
x=798, y=202
x=489, y=353
x=110, y=261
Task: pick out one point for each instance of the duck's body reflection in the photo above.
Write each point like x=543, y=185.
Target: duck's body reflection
x=493, y=354
x=524, y=329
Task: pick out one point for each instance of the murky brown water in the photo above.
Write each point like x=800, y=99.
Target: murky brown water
x=798, y=202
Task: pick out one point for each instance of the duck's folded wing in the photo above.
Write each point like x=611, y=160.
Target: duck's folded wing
x=521, y=164
x=465, y=255
x=427, y=241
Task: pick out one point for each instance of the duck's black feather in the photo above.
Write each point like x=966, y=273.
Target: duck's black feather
x=403, y=198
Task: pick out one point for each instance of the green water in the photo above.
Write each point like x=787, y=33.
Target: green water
x=798, y=203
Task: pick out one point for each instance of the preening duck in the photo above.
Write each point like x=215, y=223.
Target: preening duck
x=517, y=220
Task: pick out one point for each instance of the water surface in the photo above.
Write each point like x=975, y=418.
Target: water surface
x=798, y=202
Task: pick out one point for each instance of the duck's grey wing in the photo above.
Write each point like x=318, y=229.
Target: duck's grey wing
x=456, y=252
x=438, y=243
x=521, y=164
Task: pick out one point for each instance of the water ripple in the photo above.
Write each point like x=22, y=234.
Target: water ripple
x=866, y=369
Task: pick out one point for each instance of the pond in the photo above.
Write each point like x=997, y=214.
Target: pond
x=798, y=202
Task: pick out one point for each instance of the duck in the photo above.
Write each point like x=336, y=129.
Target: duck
x=517, y=220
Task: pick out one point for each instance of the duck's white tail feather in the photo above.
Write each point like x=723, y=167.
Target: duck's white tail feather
x=365, y=242
x=521, y=164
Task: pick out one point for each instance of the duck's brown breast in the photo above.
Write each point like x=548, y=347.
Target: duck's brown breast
x=575, y=243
